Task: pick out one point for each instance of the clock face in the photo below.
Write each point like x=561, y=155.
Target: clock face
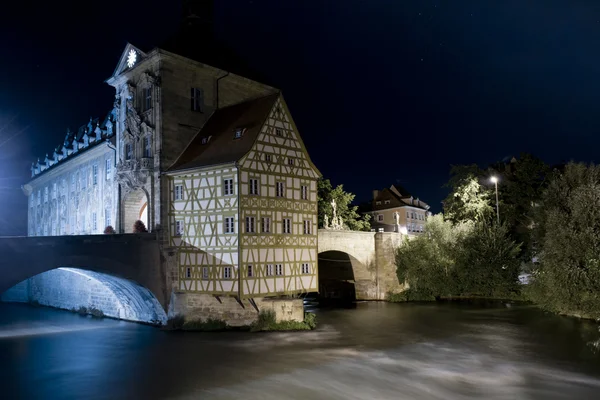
x=131, y=58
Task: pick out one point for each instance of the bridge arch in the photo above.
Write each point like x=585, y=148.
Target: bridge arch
x=76, y=288
x=129, y=264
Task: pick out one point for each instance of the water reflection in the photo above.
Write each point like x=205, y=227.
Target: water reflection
x=376, y=351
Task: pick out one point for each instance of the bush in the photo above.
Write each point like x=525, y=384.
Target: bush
x=96, y=313
x=82, y=310
x=465, y=259
x=567, y=278
x=139, y=227
x=109, y=230
x=267, y=322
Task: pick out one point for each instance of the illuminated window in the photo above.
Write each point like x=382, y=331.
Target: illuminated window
x=147, y=146
x=228, y=187
x=239, y=132
x=307, y=227
x=108, y=164
x=178, y=192
x=95, y=174
x=227, y=272
x=278, y=269
x=253, y=186
x=380, y=230
x=197, y=99
x=204, y=272
x=229, y=227
x=304, y=192
x=179, y=227
x=287, y=225
x=279, y=189
x=250, y=271
x=250, y=228
x=269, y=271
x=266, y=225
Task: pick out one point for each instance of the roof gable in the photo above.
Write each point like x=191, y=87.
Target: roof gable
x=217, y=142
x=130, y=58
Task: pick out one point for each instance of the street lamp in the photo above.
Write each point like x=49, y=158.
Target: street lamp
x=494, y=179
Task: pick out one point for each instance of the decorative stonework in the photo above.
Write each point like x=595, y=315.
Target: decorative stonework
x=133, y=174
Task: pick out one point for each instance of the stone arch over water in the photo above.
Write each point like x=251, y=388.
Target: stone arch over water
x=72, y=288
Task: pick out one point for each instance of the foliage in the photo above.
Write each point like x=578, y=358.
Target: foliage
x=175, y=323
x=210, y=325
x=267, y=322
x=82, y=310
x=449, y=260
x=109, y=230
x=567, y=278
x=95, y=312
x=139, y=227
x=349, y=214
x=468, y=200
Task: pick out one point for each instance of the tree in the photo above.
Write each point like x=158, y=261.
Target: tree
x=348, y=213
x=139, y=227
x=468, y=200
x=567, y=278
x=109, y=230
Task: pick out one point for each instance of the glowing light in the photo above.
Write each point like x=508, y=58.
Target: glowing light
x=131, y=58
x=494, y=179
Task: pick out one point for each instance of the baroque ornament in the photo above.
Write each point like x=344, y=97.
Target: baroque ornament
x=133, y=174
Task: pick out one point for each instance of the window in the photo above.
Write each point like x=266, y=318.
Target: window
x=72, y=224
x=227, y=272
x=304, y=192
x=287, y=225
x=83, y=222
x=39, y=197
x=380, y=217
x=268, y=158
x=380, y=230
x=407, y=214
x=54, y=190
x=147, y=146
x=386, y=202
x=107, y=220
x=266, y=225
x=108, y=169
x=46, y=194
x=128, y=151
x=254, y=186
x=269, y=271
x=306, y=268
x=73, y=179
x=279, y=189
x=197, y=99
x=278, y=269
x=229, y=227
x=206, y=139
x=250, y=271
x=279, y=132
x=188, y=272
x=94, y=222
x=95, y=174
x=147, y=98
x=178, y=192
x=307, y=227
x=290, y=161
x=204, y=272
x=239, y=132
x=178, y=227
x=377, y=203
x=84, y=174
x=228, y=187
x=250, y=225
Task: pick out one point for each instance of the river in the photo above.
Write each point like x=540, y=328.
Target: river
x=374, y=351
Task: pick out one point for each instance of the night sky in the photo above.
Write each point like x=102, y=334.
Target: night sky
x=383, y=91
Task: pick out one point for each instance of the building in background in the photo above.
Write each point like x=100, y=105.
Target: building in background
x=394, y=209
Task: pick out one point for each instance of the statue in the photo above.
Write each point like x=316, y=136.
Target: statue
x=326, y=222
x=336, y=220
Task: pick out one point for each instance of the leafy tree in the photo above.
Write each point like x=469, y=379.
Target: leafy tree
x=567, y=278
x=139, y=227
x=349, y=214
x=468, y=200
x=109, y=230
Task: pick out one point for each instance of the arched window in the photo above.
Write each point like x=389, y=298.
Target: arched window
x=147, y=146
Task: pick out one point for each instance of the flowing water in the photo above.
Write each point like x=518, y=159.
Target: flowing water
x=374, y=351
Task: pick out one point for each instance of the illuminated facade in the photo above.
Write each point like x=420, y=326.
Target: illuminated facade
x=393, y=209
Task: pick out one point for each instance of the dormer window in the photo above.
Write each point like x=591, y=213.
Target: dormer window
x=239, y=132
x=377, y=203
x=206, y=139
x=386, y=202
x=197, y=99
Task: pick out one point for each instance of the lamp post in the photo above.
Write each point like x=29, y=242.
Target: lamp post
x=495, y=180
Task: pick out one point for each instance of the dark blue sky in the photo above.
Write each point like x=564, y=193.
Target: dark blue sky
x=383, y=91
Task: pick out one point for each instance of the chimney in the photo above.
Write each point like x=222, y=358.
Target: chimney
x=375, y=194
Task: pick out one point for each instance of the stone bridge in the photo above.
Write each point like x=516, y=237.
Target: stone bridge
x=129, y=266
x=365, y=258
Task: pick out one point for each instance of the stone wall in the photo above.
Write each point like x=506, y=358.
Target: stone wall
x=237, y=313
